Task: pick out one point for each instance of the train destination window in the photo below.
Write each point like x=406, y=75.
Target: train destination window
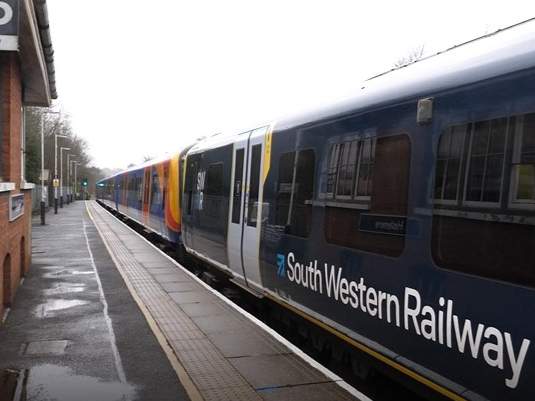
x=484, y=215
x=360, y=215
x=294, y=192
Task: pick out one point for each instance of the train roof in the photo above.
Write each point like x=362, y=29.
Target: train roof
x=495, y=54
x=156, y=160
x=502, y=52
x=223, y=138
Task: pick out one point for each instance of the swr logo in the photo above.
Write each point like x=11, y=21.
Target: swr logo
x=7, y=12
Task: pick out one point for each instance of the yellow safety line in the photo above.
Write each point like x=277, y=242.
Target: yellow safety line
x=373, y=353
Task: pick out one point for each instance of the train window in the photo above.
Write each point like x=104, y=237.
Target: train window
x=485, y=170
x=139, y=188
x=111, y=189
x=128, y=188
x=523, y=179
x=147, y=187
x=190, y=186
x=349, y=174
x=365, y=166
x=332, y=172
x=369, y=217
x=294, y=192
x=346, y=169
x=214, y=190
x=164, y=194
x=485, y=161
x=154, y=187
x=449, y=164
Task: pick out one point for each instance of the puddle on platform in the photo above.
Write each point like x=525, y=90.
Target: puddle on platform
x=53, y=267
x=58, y=383
x=51, y=306
x=64, y=288
x=68, y=273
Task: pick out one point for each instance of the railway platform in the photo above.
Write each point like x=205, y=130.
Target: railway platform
x=105, y=315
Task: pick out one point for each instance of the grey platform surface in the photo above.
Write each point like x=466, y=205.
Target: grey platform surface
x=226, y=354
x=73, y=332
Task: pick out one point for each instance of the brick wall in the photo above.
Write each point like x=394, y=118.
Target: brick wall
x=15, y=241
x=11, y=118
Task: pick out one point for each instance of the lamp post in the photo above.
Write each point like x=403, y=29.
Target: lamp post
x=72, y=187
x=69, y=188
x=43, y=190
x=56, y=182
x=76, y=178
x=61, y=176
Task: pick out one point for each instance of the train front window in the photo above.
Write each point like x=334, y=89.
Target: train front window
x=484, y=215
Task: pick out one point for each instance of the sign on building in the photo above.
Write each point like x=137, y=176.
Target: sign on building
x=9, y=25
x=16, y=206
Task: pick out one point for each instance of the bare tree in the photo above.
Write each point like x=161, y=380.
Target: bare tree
x=39, y=120
x=415, y=54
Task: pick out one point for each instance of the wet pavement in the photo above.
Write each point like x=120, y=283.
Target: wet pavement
x=74, y=331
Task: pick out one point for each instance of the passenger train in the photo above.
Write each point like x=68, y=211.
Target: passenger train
x=401, y=219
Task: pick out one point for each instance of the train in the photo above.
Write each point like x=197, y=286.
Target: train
x=400, y=219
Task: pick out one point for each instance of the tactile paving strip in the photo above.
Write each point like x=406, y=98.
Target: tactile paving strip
x=213, y=375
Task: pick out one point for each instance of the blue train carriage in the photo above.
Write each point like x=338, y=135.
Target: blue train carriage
x=149, y=194
x=415, y=235
x=402, y=220
x=107, y=191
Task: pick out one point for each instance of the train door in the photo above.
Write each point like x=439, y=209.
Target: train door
x=145, y=210
x=189, y=211
x=245, y=218
x=156, y=202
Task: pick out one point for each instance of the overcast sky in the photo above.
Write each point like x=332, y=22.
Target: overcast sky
x=140, y=78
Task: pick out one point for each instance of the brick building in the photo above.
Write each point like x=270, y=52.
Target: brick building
x=26, y=79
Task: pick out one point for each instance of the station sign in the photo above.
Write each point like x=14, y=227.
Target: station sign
x=16, y=206
x=9, y=25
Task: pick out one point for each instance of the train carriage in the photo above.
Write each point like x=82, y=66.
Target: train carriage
x=149, y=195
x=401, y=219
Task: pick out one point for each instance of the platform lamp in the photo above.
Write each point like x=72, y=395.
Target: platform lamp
x=61, y=176
x=73, y=187
x=43, y=191
x=76, y=177
x=69, y=187
x=56, y=182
